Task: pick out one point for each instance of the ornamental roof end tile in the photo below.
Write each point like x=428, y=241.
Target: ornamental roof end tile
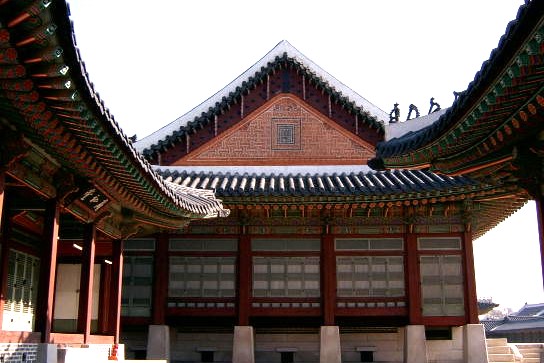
x=398, y=143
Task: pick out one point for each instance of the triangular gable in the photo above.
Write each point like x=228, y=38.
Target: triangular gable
x=284, y=131
x=283, y=57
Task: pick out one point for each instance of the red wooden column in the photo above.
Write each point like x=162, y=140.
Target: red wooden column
x=104, y=301
x=4, y=242
x=540, y=215
x=48, y=266
x=4, y=263
x=114, y=318
x=160, y=277
x=413, y=280
x=2, y=193
x=471, y=303
x=86, y=282
x=244, y=279
x=328, y=276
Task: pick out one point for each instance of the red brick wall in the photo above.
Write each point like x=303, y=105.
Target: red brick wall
x=311, y=139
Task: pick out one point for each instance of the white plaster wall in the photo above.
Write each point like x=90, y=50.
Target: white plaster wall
x=67, y=291
x=446, y=351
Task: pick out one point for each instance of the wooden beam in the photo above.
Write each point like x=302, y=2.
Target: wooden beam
x=86, y=282
x=116, y=287
x=160, y=278
x=471, y=169
x=48, y=266
x=328, y=278
x=412, y=275
x=244, y=279
x=471, y=303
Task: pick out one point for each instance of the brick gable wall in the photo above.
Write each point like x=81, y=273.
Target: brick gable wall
x=284, y=131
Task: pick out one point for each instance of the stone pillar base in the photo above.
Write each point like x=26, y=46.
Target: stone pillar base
x=47, y=353
x=474, y=344
x=243, y=345
x=415, y=346
x=158, y=342
x=329, y=348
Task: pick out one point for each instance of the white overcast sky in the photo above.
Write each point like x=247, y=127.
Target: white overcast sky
x=152, y=61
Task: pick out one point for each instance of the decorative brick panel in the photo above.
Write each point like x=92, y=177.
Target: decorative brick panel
x=284, y=131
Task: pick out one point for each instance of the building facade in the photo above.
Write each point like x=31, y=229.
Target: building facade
x=314, y=256
x=315, y=239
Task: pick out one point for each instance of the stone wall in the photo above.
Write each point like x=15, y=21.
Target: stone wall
x=386, y=347
x=188, y=347
x=268, y=347
x=446, y=351
x=19, y=352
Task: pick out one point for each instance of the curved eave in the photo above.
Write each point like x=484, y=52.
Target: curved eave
x=46, y=93
x=495, y=109
x=388, y=186
x=493, y=203
x=283, y=55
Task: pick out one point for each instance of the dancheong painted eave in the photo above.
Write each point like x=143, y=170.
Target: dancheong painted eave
x=492, y=112
x=46, y=94
x=268, y=187
x=282, y=54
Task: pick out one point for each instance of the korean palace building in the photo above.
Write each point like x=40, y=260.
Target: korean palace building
x=284, y=219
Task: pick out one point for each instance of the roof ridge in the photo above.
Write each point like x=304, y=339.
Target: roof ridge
x=283, y=49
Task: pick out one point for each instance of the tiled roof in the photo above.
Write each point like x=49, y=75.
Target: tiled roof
x=406, y=128
x=45, y=92
x=280, y=55
x=491, y=324
x=481, y=118
x=530, y=310
x=366, y=188
x=512, y=323
x=387, y=184
x=485, y=306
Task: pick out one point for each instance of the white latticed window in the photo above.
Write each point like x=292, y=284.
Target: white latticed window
x=137, y=285
x=370, y=276
x=369, y=244
x=286, y=277
x=442, y=285
x=202, y=276
x=198, y=244
x=21, y=294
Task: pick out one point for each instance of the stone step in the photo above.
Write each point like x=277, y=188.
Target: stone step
x=529, y=345
x=501, y=357
x=530, y=354
x=531, y=360
x=498, y=350
x=494, y=342
x=530, y=350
